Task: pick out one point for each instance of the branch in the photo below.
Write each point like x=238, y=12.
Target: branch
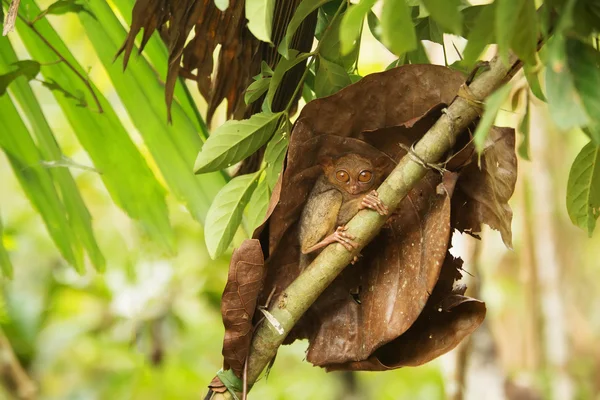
x=301, y=294
x=24, y=386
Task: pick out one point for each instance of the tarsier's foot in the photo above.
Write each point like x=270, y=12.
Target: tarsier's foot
x=355, y=259
x=373, y=202
x=344, y=238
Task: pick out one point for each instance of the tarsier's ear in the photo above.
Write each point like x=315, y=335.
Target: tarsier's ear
x=326, y=162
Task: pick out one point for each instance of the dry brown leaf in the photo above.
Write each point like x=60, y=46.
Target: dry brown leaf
x=244, y=282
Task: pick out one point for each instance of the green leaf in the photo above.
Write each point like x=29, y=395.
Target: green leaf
x=225, y=213
x=284, y=65
x=256, y=89
x=77, y=212
x=67, y=6
x=330, y=78
x=36, y=181
x=583, y=61
x=446, y=13
x=516, y=28
x=534, y=81
x=428, y=29
x=352, y=23
x=27, y=68
x=492, y=106
x=481, y=34
x=235, y=140
x=524, y=129
x=583, y=188
x=593, y=132
x=125, y=173
x=5, y=264
x=305, y=8
x=257, y=208
x=275, y=154
x=260, y=18
x=564, y=102
x=222, y=4
x=398, y=32
x=330, y=47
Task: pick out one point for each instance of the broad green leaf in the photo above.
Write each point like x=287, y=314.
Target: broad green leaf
x=564, y=102
x=222, y=4
x=173, y=147
x=274, y=156
x=481, y=34
x=284, y=65
x=374, y=25
x=26, y=68
x=352, y=23
x=235, y=140
x=77, y=212
x=583, y=60
x=5, y=264
x=516, y=28
x=225, y=213
x=524, y=129
x=583, y=188
x=534, y=81
x=257, y=208
x=398, y=32
x=67, y=6
x=330, y=47
x=428, y=29
x=446, y=13
x=36, y=181
x=305, y=8
x=125, y=173
x=256, y=89
x=330, y=78
x=492, y=106
x=593, y=132
x=260, y=18
x=325, y=15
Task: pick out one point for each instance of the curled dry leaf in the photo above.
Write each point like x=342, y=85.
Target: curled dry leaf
x=244, y=282
x=240, y=52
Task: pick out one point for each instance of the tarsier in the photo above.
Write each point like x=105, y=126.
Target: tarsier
x=345, y=187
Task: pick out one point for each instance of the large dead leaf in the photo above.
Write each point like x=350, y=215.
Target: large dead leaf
x=244, y=282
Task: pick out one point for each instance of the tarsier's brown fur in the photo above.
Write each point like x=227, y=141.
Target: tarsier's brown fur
x=334, y=201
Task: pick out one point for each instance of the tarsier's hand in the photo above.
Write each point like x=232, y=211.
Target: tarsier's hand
x=373, y=202
x=344, y=238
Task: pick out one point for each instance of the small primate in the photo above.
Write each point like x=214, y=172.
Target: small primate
x=345, y=187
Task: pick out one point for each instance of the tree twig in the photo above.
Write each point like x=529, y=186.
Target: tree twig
x=25, y=386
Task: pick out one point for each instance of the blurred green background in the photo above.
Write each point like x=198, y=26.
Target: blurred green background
x=150, y=327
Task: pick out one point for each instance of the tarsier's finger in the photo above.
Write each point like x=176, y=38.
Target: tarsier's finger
x=347, y=235
x=347, y=243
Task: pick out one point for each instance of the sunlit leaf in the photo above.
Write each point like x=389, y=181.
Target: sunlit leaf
x=492, y=106
x=67, y=6
x=304, y=9
x=352, y=23
x=274, y=156
x=125, y=173
x=583, y=188
x=330, y=47
x=446, y=13
x=235, y=140
x=77, y=212
x=225, y=213
x=330, y=78
x=260, y=18
x=398, y=32
x=516, y=28
x=583, y=61
x=259, y=202
x=481, y=34
x=256, y=89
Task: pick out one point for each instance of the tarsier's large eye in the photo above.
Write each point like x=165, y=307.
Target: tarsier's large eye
x=365, y=176
x=342, y=176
